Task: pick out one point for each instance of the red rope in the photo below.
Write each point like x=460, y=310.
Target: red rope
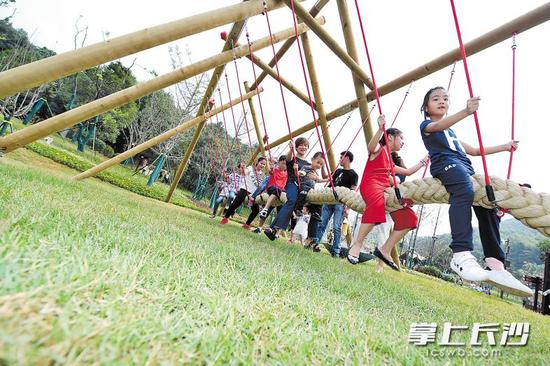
x=266, y=137
x=281, y=89
x=357, y=133
x=514, y=46
x=376, y=94
x=245, y=119
x=236, y=131
x=470, y=90
x=225, y=129
x=315, y=120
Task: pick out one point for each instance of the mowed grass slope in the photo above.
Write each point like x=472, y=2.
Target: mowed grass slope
x=90, y=273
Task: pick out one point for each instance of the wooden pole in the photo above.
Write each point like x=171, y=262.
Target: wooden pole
x=338, y=112
x=99, y=106
x=352, y=51
x=189, y=151
x=314, y=11
x=546, y=285
x=232, y=37
x=55, y=67
x=331, y=43
x=526, y=21
x=255, y=121
x=160, y=138
x=318, y=100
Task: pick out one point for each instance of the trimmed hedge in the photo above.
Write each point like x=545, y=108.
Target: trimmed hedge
x=129, y=183
x=435, y=272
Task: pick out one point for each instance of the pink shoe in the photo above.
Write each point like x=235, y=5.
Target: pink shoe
x=224, y=221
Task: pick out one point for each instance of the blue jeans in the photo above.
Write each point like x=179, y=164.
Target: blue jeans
x=230, y=198
x=285, y=213
x=261, y=188
x=461, y=197
x=337, y=213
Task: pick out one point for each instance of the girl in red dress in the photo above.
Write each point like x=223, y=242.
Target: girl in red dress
x=376, y=179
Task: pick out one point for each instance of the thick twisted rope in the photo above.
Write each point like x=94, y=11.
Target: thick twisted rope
x=526, y=205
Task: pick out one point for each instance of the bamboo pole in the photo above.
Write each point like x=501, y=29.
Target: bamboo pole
x=318, y=100
x=347, y=29
x=520, y=24
x=162, y=137
x=331, y=43
x=55, y=67
x=82, y=113
x=232, y=37
x=255, y=121
x=314, y=11
x=338, y=112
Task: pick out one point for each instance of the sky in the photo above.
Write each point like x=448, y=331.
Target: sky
x=401, y=36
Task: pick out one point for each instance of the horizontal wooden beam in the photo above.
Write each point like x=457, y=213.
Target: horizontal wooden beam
x=55, y=67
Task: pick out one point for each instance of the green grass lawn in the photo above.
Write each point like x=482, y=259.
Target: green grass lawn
x=91, y=273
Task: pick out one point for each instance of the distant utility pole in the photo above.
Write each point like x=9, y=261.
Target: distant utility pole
x=506, y=261
x=434, y=237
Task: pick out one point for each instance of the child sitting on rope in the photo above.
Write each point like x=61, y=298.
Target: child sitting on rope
x=374, y=182
x=263, y=185
x=251, y=178
x=276, y=185
x=308, y=178
x=453, y=168
x=225, y=192
x=295, y=160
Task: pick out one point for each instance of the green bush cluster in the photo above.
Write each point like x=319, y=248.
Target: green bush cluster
x=435, y=272
x=130, y=183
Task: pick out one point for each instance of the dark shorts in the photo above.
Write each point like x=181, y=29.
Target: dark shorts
x=275, y=190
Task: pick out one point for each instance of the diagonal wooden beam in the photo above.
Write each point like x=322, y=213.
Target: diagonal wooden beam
x=343, y=10
x=231, y=39
x=162, y=137
x=331, y=43
x=55, y=67
x=314, y=11
x=102, y=105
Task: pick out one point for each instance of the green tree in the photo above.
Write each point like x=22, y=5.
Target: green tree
x=544, y=246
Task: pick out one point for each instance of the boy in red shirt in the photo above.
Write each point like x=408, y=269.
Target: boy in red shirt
x=276, y=185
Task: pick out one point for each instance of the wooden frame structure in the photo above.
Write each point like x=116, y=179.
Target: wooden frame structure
x=55, y=67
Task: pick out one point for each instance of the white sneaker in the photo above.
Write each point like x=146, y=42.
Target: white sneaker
x=263, y=214
x=508, y=283
x=468, y=268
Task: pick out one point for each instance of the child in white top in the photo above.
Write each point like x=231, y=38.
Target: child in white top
x=300, y=230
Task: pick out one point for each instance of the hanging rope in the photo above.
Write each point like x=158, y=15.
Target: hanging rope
x=266, y=12
x=514, y=46
x=488, y=187
x=316, y=142
x=236, y=130
x=451, y=77
x=315, y=120
x=402, y=102
x=376, y=94
x=266, y=136
x=244, y=111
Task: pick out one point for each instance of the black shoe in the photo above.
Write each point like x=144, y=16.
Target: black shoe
x=389, y=262
x=270, y=233
x=335, y=255
x=315, y=247
x=316, y=216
